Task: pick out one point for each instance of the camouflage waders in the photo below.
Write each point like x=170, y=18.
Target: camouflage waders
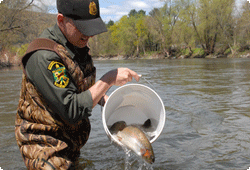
x=45, y=141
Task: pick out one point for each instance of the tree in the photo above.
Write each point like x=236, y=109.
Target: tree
x=123, y=36
x=162, y=25
x=141, y=33
x=110, y=23
x=19, y=25
x=141, y=13
x=243, y=27
x=12, y=22
x=213, y=17
x=132, y=12
x=227, y=24
x=184, y=32
x=11, y=11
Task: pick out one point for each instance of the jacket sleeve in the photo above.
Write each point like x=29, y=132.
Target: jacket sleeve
x=66, y=102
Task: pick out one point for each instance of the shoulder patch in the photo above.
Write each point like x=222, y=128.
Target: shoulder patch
x=60, y=74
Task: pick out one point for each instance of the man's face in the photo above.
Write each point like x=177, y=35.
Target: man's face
x=73, y=35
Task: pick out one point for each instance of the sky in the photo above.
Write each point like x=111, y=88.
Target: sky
x=115, y=9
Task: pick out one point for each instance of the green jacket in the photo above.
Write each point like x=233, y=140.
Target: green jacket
x=66, y=100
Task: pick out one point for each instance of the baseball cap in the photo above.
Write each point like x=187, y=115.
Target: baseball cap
x=85, y=15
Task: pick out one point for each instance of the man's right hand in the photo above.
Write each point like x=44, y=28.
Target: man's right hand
x=120, y=76
x=117, y=77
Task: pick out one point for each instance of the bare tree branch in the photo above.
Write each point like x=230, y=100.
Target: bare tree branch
x=27, y=5
x=8, y=29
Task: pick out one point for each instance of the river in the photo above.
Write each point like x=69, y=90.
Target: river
x=207, y=104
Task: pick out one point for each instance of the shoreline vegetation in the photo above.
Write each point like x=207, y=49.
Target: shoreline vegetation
x=178, y=30
x=242, y=54
x=14, y=60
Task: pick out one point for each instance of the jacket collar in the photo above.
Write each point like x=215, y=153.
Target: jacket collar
x=54, y=33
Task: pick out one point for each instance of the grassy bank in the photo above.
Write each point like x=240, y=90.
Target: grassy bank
x=179, y=54
x=13, y=56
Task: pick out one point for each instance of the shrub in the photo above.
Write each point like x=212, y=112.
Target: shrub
x=198, y=51
x=185, y=51
x=21, y=51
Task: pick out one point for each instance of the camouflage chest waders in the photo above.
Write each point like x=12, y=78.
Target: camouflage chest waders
x=46, y=142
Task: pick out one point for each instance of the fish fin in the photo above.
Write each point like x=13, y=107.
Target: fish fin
x=147, y=153
x=147, y=123
x=148, y=156
x=118, y=126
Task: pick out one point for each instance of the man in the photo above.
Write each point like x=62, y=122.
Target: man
x=59, y=89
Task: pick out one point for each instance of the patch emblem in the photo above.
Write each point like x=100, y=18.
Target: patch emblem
x=59, y=71
x=92, y=8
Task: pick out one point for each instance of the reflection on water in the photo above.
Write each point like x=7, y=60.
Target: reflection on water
x=207, y=126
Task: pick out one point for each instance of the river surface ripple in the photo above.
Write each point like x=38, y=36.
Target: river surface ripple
x=207, y=104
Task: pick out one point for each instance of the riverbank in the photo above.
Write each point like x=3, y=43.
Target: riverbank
x=7, y=64
x=11, y=61
x=7, y=61
x=245, y=54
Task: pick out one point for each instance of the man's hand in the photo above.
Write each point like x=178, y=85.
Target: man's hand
x=120, y=76
x=117, y=77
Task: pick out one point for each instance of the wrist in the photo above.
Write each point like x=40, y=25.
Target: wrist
x=108, y=79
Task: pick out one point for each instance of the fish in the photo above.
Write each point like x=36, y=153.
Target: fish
x=120, y=125
x=134, y=139
x=147, y=124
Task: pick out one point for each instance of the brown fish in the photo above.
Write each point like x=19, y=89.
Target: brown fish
x=118, y=126
x=134, y=139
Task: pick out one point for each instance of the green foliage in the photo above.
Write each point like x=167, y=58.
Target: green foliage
x=180, y=24
x=110, y=23
x=185, y=51
x=198, y=52
x=179, y=27
x=21, y=51
x=243, y=26
x=228, y=51
x=123, y=35
x=134, y=13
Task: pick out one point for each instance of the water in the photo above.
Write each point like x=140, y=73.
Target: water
x=133, y=162
x=207, y=104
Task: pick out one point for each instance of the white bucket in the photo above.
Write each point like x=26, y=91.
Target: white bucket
x=134, y=104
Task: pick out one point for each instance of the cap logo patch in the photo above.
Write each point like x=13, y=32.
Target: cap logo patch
x=60, y=75
x=92, y=8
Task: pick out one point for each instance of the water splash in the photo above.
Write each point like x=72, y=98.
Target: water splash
x=132, y=161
